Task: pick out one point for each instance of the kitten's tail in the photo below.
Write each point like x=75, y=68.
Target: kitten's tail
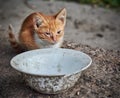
x=15, y=45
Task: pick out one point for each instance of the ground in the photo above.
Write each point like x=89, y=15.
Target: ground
x=94, y=26
x=87, y=28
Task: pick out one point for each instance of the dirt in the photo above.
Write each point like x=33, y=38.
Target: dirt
x=100, y=80
x=87, y=28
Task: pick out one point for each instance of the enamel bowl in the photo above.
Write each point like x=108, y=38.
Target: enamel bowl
x=51, y=70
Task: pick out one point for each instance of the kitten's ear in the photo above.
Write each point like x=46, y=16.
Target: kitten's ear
x=37, y=22
x=61, y=15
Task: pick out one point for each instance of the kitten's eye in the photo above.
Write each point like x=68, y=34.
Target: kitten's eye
x=47, y=33
x=58, y=32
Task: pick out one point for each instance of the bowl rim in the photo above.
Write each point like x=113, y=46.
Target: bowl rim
x=75, y=72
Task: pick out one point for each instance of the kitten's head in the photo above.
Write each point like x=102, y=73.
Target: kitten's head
x=50, y=28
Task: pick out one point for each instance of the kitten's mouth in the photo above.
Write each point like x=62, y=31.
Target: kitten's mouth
x=53, y=42
x=49, y=42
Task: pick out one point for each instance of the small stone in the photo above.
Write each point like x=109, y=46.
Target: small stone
x=78, y=93
x=69, y=45
x=99, y=35
x=78, y=48
x=73, y=44
x=48, y=96
x=93, y=52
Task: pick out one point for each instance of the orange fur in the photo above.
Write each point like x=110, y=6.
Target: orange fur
x=48, y=29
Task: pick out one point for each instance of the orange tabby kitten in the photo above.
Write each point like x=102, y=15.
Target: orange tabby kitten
x=40, y=31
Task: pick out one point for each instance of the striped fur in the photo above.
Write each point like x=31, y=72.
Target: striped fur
x=37, y=28
x=15, y=45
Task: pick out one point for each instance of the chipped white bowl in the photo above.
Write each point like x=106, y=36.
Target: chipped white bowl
x=51, y=70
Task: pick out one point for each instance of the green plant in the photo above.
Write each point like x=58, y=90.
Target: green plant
x=105, y=3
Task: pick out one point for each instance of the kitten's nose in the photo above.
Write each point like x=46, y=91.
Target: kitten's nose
x=54, y=38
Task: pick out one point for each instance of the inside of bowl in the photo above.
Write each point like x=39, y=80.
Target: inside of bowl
x=51, y=62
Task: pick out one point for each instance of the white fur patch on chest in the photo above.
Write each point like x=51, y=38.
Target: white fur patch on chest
x=44, y=44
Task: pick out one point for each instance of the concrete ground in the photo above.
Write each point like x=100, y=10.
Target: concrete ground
x=97, y=27
x=86, y=25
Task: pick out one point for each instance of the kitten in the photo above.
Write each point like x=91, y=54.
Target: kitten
x=39, y=31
